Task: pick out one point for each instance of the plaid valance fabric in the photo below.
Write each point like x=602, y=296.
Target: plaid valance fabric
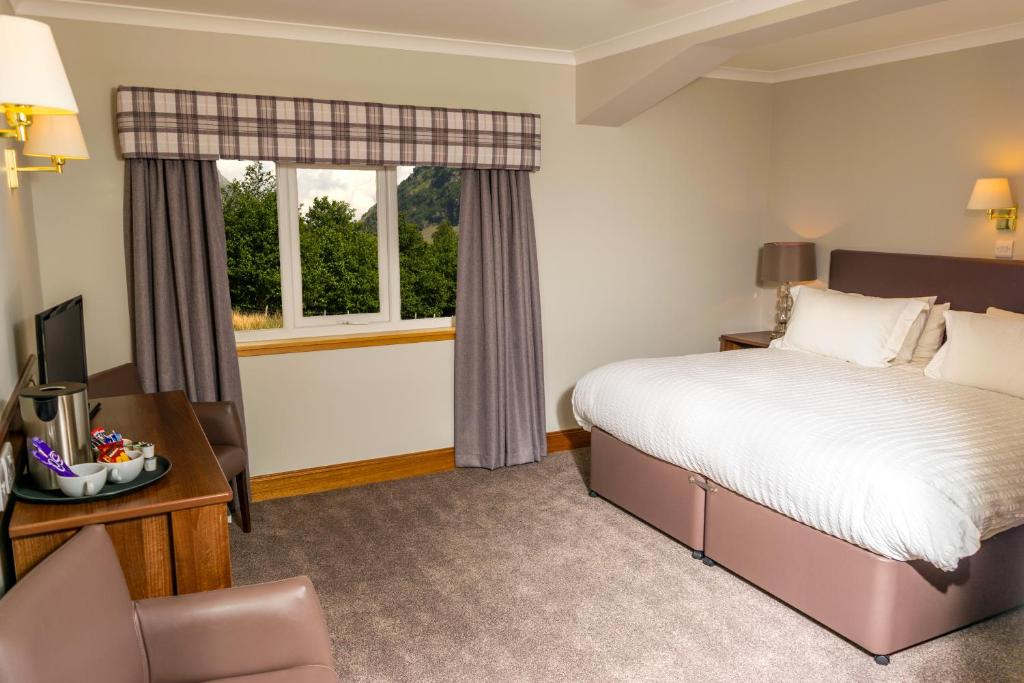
x=154, y=123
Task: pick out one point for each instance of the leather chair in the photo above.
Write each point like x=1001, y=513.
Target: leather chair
x=71, y=619
x=220, y=423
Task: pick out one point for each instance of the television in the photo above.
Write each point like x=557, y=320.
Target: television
x=60, y=343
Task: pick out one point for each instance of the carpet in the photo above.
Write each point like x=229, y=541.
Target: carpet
x=518, y=575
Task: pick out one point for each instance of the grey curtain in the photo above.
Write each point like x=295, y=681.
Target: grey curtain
x=178, y=292
x=499, y=371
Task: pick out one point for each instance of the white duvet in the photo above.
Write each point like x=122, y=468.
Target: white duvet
x=900, y=464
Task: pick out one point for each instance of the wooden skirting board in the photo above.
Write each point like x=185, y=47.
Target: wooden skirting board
x=346, y=474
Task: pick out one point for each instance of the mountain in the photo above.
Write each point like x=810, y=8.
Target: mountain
x=428, y=197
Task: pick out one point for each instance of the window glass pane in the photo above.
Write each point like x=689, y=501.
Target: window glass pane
x=249, y=197
x=338, y=241
x=428, y=239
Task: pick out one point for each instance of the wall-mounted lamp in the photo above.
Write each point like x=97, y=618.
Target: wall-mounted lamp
x=993, y=195
x=57, y=137
x=33, y=80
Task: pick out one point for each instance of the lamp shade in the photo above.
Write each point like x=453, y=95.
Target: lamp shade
x=990, y=193
x=33, y=77
x=55, y=136
x=788, y=262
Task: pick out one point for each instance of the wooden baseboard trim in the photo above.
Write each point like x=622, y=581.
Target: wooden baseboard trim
x=348, y=474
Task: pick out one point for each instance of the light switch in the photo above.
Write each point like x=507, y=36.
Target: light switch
x=1004, y=248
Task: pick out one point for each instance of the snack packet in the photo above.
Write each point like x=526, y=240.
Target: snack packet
x=49, y=457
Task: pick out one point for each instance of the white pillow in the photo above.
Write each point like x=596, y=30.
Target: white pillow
x=865, y=330
x=906, y=354
x=931, y=337
x=1000, y=313
x=984, y=351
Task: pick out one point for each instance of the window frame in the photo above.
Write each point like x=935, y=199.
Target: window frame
x=296, y=325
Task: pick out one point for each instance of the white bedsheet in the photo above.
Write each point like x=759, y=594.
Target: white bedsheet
x=906, y=466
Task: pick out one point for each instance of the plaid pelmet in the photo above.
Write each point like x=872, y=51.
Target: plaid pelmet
x=184, y=124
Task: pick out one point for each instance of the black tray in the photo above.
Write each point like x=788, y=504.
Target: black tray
x=24, y=488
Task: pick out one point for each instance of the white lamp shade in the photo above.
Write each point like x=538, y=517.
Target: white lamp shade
x=990, y=193
x=32, y=75
x=55, y=136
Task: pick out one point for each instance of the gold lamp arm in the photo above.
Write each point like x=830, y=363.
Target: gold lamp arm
x=12, y=168
x=1006, y=219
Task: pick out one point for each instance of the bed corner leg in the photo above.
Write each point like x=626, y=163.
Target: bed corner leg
x=697, y=555
x=708, y=561
x=882, y=660
x=593, y=493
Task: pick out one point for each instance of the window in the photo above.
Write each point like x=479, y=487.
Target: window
x=320, y=251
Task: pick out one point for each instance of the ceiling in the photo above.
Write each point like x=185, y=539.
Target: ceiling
x=571, y=31
x=928, y=23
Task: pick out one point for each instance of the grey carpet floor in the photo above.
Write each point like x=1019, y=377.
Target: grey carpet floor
x=518, y=575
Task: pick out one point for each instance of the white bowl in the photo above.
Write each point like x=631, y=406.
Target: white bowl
x=124, y=472
x=92, y=476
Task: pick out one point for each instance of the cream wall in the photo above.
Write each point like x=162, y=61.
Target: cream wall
x=885, y=158
x=647, y=234
x=20, y=297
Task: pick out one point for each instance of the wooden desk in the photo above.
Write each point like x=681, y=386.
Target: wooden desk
x=171, y=537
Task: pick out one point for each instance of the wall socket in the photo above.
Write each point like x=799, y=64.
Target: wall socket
x=1004, y=248
x=6, y=474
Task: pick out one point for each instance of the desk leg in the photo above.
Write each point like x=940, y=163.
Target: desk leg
x=202, y=557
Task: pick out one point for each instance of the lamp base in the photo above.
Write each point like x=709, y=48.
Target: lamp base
x=783, y=310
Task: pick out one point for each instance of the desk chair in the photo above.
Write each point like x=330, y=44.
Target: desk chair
x=220, y=423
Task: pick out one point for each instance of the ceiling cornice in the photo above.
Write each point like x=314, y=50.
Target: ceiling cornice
x=213, y=23
x=726, y=11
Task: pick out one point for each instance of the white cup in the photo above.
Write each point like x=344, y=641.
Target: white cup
x=92, y=477
x=124, y=472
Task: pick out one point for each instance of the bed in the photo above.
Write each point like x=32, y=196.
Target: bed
x=787, y=517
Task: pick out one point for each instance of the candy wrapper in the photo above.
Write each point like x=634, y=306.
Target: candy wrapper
x=49, y=457
x=109, y=446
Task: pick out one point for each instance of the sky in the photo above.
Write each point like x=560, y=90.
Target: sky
x=357, y=187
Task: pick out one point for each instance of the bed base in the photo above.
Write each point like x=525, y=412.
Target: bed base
x=879, y=604
x=665, y=496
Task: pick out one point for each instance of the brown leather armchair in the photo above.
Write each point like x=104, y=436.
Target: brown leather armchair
x=220, y=423
x=71, y=619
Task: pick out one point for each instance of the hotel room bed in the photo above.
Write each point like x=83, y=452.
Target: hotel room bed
x=884, y=504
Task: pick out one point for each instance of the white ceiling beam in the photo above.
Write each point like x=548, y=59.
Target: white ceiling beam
x=924, y=48
x=614, y=90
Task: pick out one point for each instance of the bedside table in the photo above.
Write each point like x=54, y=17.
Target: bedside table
x=744, y=340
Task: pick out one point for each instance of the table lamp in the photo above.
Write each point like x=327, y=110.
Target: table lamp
x=785, y=263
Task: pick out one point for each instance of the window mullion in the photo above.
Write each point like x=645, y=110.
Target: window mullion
x=392, y=263
x=288, y=234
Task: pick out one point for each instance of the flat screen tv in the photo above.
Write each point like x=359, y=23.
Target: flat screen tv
x=60, y=343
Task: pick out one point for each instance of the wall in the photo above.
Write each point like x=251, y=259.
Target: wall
x=20, y=298
x=20, y=290
x=885, y=158
x=647, y=234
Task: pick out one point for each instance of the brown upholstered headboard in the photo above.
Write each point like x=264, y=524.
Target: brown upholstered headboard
x=969, y=284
